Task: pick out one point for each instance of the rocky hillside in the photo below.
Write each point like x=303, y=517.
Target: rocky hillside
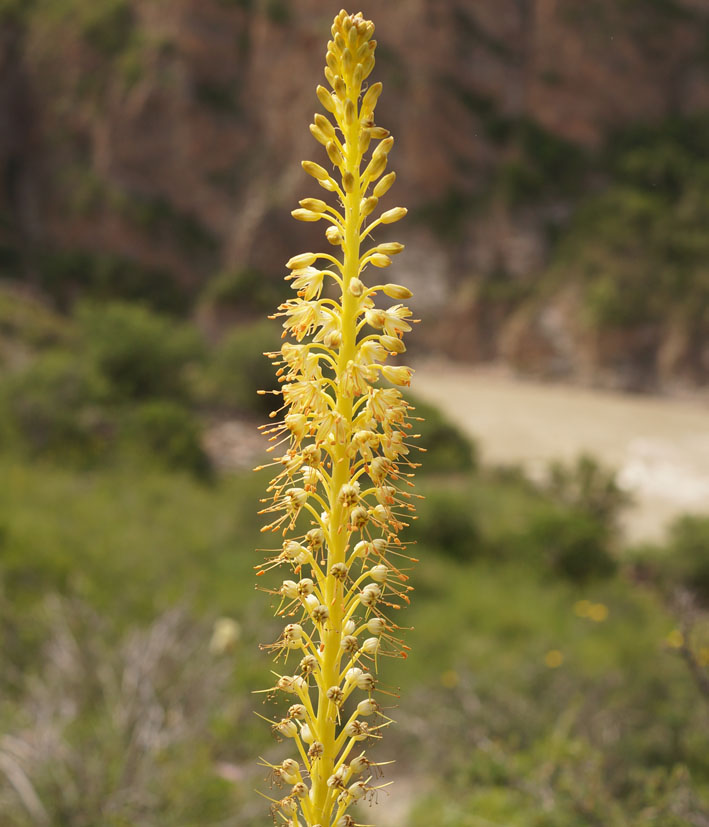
x=553, y=153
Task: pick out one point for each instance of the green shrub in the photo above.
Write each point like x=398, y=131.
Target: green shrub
x=239, y=369
x=141, y=354
x=571, y=543
x=447, y=523
x=245, y=290
x=167, y=434
x=55, y=406
x=447, y=448
x=687, y=560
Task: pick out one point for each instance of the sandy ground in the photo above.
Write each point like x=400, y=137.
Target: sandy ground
x=659, y=446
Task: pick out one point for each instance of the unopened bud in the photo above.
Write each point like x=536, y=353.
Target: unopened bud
x=379, y=573
x=302, y=260
x=396, y=291
x=326, y=99
x=390, y=216
x=316, y=205
x=315, y=170
x=368, y=205
x=356, y=287
x=384, y=185
x=371, y=646
x=378, y=259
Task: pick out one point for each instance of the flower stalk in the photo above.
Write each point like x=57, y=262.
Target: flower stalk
x=340, y=496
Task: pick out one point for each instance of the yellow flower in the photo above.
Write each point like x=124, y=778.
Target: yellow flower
x=343, y=482
x=553, y=659
x=675, y=639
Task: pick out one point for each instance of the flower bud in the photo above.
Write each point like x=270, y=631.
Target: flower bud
x=326, y=99
x=349, y=627
x=384, y=148
x=350, y=113
x=356, y=287
x=357, y=790
x=349, y=644
x=384, y=185
x=333, y=153
x=311, y=602
x=353, y=675
x=335, y=694
x=368, y=205
x=325, y=126
x=316, y=205
x=379, y=573
x=308, y=664
x=396, y=291
x=390, y=248
x=333, y=235
x=333, y=339
x=390, y=216
x=371, y=96
x=393, y=344
x=378, y=259
x=306, y=734
x=359, y=517
x=318, y=172
x=319, y=135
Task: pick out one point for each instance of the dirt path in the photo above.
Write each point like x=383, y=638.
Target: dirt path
x=660, y=447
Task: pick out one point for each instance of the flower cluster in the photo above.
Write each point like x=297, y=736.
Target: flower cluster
x=342, y=490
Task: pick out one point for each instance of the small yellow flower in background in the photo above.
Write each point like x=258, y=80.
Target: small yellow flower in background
x=553, y=659
x=450, y=679
x=675, y=639
x=598, y=612
x=341, y=493
x=225, y=636
x=703, y=656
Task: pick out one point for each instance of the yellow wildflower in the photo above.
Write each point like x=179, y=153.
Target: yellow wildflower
x=341, y=494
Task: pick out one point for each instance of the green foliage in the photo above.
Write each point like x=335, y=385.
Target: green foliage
x=446, y=521
x=570, y=543
x=447, y=449
x=68, y=274
x=141, y=354
x=639, y=248
x=166, y=434
x=686, y=562
x=238, y=369
x=55, y=406
x=245, y=290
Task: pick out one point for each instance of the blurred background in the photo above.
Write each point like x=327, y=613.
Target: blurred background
x=554, y=157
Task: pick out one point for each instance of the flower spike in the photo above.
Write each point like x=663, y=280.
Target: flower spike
x=338, y=500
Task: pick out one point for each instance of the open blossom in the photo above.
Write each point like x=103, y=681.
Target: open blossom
x=343, y=490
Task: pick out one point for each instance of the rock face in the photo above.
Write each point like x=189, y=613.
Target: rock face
x=147, y=145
